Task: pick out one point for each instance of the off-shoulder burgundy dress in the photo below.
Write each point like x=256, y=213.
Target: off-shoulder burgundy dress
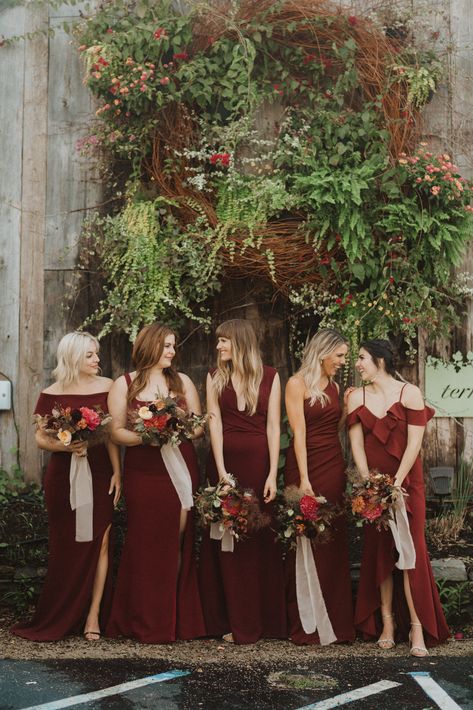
x=154, y=602
x=385, y=440
x=326, y=468
x=243, y=591
x=67, y=591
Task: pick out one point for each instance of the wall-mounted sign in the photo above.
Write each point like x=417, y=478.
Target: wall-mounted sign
x=449, y=385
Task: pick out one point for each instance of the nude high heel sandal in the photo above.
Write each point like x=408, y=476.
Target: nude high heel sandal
x=386, y=644
x=417, y=651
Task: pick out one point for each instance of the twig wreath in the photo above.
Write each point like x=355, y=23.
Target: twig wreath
x=277, y=140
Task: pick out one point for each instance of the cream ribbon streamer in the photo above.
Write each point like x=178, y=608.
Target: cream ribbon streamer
x=178, y=473
x=401, y=533
x=218, y=532
x=81, y=497
x=310, y=601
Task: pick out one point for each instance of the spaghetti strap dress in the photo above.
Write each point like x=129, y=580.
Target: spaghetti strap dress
x=385, y=440
x=243, y=591
x=326, y=468
x=66, y=594
x=154, y=600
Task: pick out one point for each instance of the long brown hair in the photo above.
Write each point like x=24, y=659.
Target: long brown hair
x=147, y=349
x=246, y=361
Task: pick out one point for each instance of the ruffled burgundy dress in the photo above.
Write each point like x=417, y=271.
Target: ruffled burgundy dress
x=154, y=601
x=326, y=468
x=385, y=440
x=67, y=591
x=243, y=591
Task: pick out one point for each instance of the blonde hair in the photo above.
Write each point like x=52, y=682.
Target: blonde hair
x=71, y=352
x=317, y=349
x=245, y=361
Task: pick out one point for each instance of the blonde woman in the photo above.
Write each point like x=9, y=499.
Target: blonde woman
x=243, y=590
x=315, y=464
x=77, y=590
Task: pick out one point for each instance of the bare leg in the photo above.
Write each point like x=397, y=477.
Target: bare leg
x=182, y=529
x=386, y=640
x=92, y=628
x=416, y=636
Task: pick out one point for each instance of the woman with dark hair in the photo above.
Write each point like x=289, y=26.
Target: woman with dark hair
x=156, y=598
x=243, y=590
x=76, y=594
x=387, y=419
x=315, y=464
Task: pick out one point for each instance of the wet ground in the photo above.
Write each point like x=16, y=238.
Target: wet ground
x=318, y=683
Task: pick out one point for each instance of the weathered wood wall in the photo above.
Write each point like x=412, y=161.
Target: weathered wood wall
x=46, y=190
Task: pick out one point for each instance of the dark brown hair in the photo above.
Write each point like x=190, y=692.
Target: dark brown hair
x=147, y=350
x=381, y=349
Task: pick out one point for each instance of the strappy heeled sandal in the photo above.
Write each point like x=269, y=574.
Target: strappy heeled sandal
x=228, y=637
x=416, y=651
x=386, y=644
x=86, y=635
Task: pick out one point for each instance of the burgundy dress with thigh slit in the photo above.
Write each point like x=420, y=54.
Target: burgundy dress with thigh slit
x=67, y=591
x=385, y=441
x=243, y=591
x=326, y=469
x=156, y=600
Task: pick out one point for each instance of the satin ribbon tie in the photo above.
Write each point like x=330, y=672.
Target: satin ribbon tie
x=178, y=473
x=399, y=525
x=310, y=601
x=81, y=497
x=218, y=532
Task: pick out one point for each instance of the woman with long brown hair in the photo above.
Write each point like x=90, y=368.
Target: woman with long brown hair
x=243, y=590
x=156, y=598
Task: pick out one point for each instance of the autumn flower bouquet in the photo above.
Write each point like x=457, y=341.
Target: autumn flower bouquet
x=70, y=424
x=165, y=421
x=230, y=511
x=371, y=499
x=301, y=515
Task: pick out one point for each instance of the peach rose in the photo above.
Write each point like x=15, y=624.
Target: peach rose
x=64, y=436
x=144, y=413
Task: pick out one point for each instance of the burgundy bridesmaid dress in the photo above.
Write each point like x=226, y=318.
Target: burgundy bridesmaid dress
x=243, y=591
x=385, y=441
x=326, y=469
x=154, y=601
x=67, y=591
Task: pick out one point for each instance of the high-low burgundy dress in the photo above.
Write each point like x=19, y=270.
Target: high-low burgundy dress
x=243, y=591
x=67, y=591
x=154, y=602
x=385, y=441
x=326, y=468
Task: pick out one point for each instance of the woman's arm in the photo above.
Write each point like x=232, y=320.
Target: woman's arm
x=355, y=433
x=118, y=408
x=215, y=428
x=193, y=402
x=51, y=443
x=116, y=479
x=294, y=397
x=273, y=433
x=346, y=396
x=413, y=400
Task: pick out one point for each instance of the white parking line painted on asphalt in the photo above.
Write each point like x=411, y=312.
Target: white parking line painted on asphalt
x=434, y=691
x=106, y=692
x=352, y=695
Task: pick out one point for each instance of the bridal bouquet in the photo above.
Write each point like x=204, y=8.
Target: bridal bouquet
x=165, y=421
x=80, y=424
x=301, y=515
x=371, y=499
x=231, y=513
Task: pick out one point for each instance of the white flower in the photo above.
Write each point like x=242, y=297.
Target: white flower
x=144, y=413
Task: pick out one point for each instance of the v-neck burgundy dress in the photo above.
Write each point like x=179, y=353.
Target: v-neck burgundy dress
x=67, y=591
x=243, y=591
x=154, y=601
x=326, y=468
x=385, y=440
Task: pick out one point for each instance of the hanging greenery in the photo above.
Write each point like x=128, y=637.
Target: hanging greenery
x=276, y=139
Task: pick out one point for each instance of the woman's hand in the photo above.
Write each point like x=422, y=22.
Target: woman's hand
x=270, y=489
x=346, y=395
x=79, y=448
x=115, y=485
x=306, y=489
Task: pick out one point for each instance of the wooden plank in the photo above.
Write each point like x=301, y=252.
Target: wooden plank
x=33, y=204
x=11, y=120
